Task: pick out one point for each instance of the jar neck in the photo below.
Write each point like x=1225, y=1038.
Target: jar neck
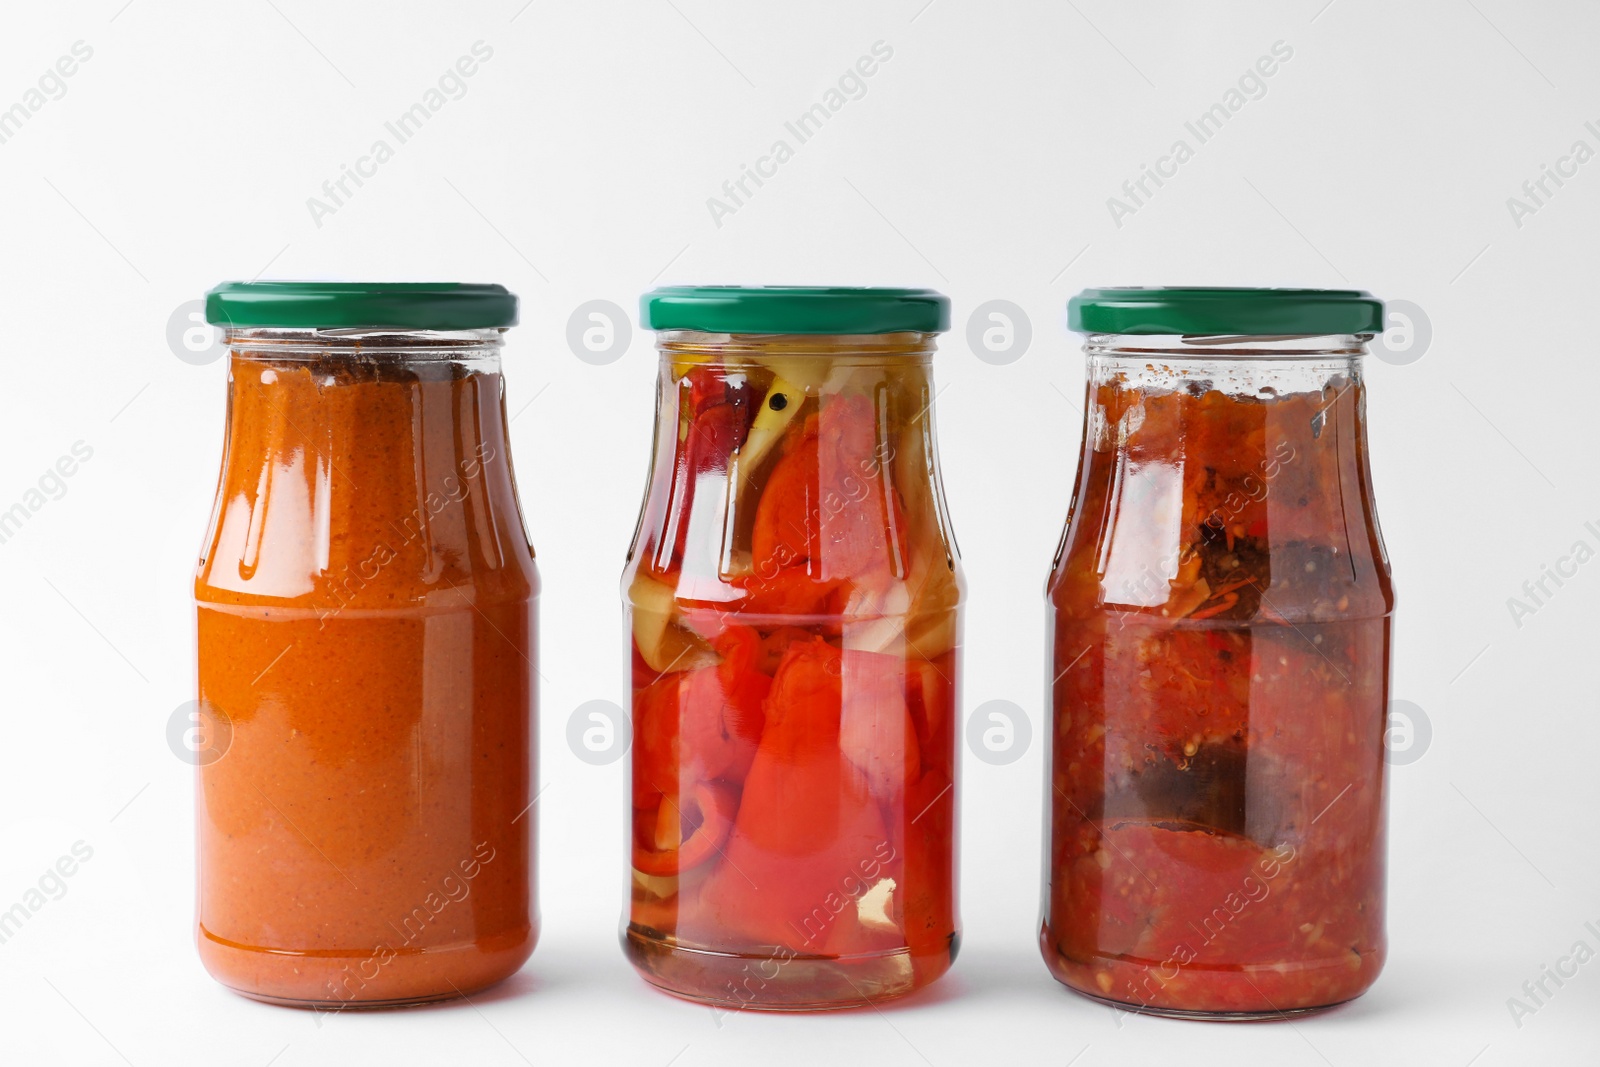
x=367, y=344
x=681, y=346
x=1225, y=346
x=322, y=390
x=1254, y=368
x=320, y=367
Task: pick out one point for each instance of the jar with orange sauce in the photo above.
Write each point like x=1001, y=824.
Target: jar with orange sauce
x=366, y=615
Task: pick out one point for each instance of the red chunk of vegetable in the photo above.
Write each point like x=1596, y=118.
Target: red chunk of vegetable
x=825, y=504
x=806, y=820
x=703, y=724
x=705, y=818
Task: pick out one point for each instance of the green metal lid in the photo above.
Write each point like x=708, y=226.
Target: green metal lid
x=1230, y=312
x=794, y=309
x=345, y=305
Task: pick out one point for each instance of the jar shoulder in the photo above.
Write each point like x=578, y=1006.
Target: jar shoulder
x=1199, y=503
x=365, y=481
x=785, y=471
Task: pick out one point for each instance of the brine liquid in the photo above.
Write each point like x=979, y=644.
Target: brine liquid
x=795, y=658
x=826, y=870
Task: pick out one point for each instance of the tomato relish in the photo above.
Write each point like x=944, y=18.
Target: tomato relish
x=1220, y=612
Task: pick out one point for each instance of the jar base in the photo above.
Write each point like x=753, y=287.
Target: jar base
x=1207, y=1016
x=356, y=1005
x=1239, y=993
x=315, y=982
x=764, y=982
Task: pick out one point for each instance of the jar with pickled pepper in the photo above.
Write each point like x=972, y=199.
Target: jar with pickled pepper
x=793, y=598
x=366, y=597
x=1220, y=609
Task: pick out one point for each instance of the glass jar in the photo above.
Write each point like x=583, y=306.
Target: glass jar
x=366, y=600
x=793, y=596
x=1220, y=610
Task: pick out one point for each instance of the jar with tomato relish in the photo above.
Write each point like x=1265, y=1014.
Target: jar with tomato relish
x=793, y=598
x=366, y=596
x=1220, y=609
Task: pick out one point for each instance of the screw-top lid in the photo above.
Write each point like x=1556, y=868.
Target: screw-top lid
x=1225, y=311
x=794, y=309
x=346, y=305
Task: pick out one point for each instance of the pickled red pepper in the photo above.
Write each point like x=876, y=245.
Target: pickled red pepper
x=794, y=679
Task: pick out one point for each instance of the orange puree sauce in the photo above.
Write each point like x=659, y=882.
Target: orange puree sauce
x=366, y=628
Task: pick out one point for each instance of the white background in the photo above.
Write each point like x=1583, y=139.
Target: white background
x=577, y=167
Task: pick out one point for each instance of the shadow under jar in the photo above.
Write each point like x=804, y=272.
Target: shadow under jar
x=366, y=646
x=1220, y=612
x=793, y=597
